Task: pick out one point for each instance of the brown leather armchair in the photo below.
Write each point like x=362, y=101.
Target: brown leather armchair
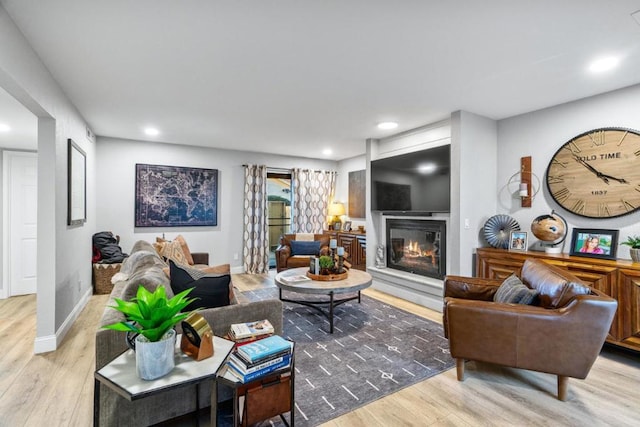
x=563, y=335
x=287, y=258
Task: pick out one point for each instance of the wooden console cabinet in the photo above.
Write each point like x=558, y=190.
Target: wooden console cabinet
x=620, y=279
x=355, y=244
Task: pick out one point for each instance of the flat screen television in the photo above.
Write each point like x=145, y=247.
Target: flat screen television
x=413, y=183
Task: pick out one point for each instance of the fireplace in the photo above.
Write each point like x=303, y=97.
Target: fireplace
x=417, y=246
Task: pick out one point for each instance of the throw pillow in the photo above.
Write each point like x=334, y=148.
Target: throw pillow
x=212, y=290
x=173, y=251
x=216, y=270
x=185, y=249
x=305, y=248
x=513, y=291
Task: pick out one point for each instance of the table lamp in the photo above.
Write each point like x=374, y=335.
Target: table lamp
x=336, y=209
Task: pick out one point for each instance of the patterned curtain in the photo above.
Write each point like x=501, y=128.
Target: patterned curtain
x=256, y=229
x=312, y=193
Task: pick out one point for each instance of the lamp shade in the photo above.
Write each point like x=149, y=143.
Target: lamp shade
x=336, y=209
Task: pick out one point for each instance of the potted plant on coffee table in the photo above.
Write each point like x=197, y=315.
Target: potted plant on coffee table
x=634, y=243
x=152, y=316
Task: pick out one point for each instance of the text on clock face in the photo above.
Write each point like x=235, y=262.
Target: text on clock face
x=599, y=192
x=604, y=156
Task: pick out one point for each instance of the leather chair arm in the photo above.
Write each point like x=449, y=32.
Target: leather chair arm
x=564, y=341
x=200, y=258
x=283, y=252
x=474, y=288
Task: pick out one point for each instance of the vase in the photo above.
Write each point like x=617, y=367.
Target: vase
x=635, y=254
x=155, y=359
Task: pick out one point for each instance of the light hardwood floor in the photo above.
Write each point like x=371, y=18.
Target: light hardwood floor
x=56, y=389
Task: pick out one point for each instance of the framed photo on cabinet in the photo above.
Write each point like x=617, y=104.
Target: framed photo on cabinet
x=594, y=243
x=518, y=241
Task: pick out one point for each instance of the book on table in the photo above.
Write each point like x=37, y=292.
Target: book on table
x=236, y=368
x=264, y=348
x=245, y=331
x=295, y=279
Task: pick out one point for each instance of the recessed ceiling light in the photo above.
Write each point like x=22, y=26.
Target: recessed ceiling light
x=152, y=131
x=327, y=151
x=4, y=128
x=427, y=168
x=387, y=125
x=604, y=64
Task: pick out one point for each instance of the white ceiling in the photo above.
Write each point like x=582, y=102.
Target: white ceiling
x=295, y=76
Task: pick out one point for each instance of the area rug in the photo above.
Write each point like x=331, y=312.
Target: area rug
x=375, y=350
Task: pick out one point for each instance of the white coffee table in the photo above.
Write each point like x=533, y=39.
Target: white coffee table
x=356, y=281
x=121, y=376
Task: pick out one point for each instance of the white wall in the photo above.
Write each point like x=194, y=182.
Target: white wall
x=115, y=188
x=64, y=268
x=473, y=197
x=539, y=134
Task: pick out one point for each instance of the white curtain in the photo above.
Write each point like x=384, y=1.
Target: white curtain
x=256, y=228
x=312, y=193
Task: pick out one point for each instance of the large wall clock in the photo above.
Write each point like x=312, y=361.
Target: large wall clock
x=597, y=173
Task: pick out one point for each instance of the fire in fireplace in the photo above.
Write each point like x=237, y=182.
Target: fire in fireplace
x=417, y=246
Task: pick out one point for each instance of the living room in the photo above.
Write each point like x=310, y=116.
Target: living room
x=64, y=285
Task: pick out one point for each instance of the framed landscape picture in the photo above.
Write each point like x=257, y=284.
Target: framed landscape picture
x=173, y=196
x=594, y=243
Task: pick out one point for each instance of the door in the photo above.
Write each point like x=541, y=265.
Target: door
x=21, y=198
x=279, y=210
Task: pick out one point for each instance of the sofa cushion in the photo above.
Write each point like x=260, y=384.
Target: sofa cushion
x=172, y=251
x=185, y=249
x=305, y=247
x=513, y=291
x=211, y=289
x=556, y=286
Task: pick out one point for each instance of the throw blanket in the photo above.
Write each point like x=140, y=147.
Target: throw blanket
x=304, y=237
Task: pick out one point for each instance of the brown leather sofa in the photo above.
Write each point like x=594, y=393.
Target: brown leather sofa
x=287, y=258
x=562, y=335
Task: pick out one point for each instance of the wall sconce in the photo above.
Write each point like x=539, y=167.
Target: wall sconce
x=526, y=189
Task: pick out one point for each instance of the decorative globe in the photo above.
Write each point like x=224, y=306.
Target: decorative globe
x=551, y=229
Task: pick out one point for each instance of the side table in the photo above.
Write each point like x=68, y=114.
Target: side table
x=121, y=376
x=262, y=398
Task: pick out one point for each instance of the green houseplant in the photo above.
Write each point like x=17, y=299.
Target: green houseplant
x=152, y=316
x=634, y=244
x=326, y=264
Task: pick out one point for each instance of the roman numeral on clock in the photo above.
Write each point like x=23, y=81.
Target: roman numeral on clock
x=579, y=206
x=562, y=195
x=628, y=206
x=555, y=179
x=603, y=210
x=597, y=138
x=559, y=163
x=622, y=139
x=572, y=148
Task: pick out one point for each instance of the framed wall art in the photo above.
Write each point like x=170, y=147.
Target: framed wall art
x=518, y=241
x=76, y=184
x=357, y=192
x=594, y=242
x=174, y=196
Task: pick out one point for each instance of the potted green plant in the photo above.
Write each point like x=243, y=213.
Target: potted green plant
x=152, y=316
x=326, y=264
x=634, y=244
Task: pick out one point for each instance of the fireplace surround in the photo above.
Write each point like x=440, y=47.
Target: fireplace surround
x=417, y=246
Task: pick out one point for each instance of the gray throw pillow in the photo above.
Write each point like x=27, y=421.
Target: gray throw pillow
x=513, y=291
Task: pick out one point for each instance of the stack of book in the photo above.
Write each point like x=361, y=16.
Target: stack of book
x=243, y=333
x=259, y=358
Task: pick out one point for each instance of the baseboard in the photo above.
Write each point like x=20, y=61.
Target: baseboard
x=49, y=343
x=237, y=270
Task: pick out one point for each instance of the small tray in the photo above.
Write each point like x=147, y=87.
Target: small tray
x=327, y=277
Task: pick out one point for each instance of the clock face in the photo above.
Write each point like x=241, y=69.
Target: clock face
x=597, y=174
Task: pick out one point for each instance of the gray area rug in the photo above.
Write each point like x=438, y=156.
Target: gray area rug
x=375, y=350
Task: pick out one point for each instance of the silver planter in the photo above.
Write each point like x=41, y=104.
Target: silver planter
x=635, y=254
x=155, y=359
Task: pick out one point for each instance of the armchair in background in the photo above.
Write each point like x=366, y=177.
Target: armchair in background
x=295, y=250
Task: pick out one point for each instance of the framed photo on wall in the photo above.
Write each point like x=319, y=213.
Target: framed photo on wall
x=518, y=241
x=594, y=242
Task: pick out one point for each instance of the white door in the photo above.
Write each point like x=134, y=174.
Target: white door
x=22, y=222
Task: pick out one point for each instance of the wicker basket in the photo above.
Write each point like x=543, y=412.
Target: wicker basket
x=102, y=274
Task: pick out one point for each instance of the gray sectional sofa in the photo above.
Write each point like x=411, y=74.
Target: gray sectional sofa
x=144, y=267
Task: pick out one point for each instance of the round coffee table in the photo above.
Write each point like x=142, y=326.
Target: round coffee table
x=355, y=282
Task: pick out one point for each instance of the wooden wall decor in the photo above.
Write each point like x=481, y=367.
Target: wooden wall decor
x=357, y=192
